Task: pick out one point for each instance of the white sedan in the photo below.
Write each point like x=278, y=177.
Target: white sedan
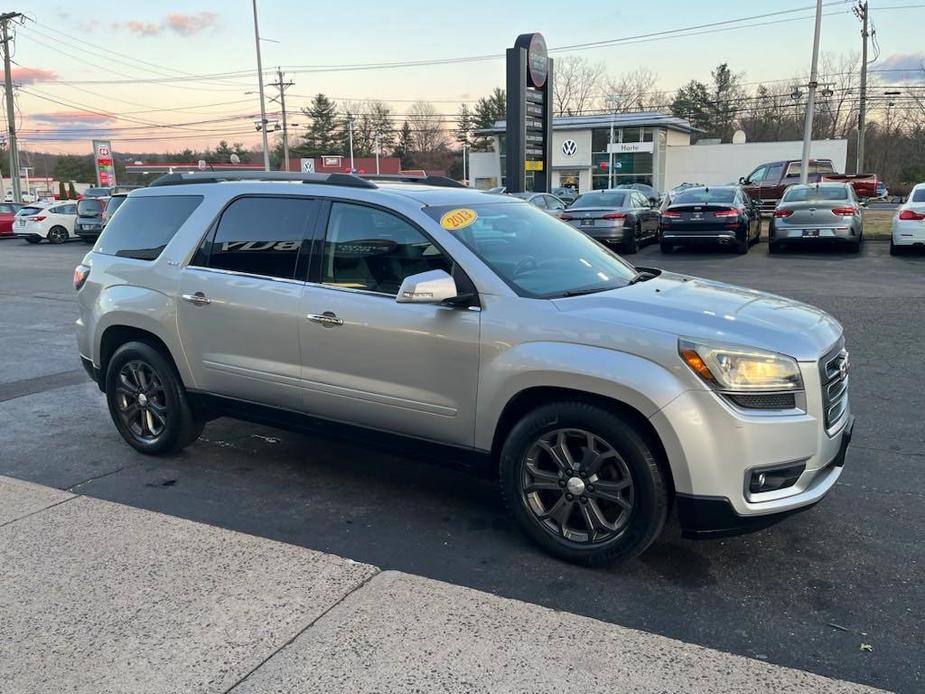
x=54, y=222
x=909, y=222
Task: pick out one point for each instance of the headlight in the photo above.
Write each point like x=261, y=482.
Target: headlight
x=741, y=369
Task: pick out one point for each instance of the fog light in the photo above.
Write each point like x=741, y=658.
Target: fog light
x=772, y=479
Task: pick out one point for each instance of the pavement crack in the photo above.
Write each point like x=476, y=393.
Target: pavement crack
x=308, y=626
x=29, y=515
x=73, y=487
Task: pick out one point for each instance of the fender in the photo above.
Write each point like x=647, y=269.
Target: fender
x=144, y=309
x=638, y=382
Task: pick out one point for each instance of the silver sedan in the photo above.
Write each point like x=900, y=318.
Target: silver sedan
x=817, y=213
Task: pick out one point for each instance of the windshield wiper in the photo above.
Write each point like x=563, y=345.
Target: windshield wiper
x=587, y=290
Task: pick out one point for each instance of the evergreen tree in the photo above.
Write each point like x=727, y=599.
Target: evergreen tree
x=463, y=132
x=692, y=101
x=404, y=146
x=62, y=193
x=488, y=110
x=71, y=191
x=322, y=135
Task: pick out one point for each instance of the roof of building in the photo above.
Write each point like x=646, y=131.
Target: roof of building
x=648, y=119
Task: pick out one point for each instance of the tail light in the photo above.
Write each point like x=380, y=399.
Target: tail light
x=782, y=213
x=566, y=217
x=614, y=215
x=731, y=212
x=912, y=216
x=36, y=218
x=81, y=273
x=844, y=211
x=671, y=214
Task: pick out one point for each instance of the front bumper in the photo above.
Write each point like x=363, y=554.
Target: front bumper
x=706, y=517
x=714, y=447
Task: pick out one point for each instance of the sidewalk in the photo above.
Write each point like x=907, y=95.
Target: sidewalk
x=99, y=597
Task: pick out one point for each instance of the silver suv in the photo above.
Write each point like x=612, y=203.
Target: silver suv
x=480, y=330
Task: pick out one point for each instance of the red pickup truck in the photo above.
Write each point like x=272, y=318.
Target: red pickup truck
x=768, y=181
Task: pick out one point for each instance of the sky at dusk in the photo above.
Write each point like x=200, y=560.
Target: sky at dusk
x=161, y=76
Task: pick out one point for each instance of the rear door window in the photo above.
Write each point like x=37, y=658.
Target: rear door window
x=262, y=235
x=773, y=174
x=146, y=225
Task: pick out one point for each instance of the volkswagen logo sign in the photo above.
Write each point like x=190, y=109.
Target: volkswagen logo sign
x=569, y=147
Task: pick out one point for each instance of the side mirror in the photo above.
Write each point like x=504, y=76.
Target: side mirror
x=433, y=287
x=743, y=181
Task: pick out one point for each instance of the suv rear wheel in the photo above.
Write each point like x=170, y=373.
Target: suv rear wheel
x=147, y=401
x=582, y=484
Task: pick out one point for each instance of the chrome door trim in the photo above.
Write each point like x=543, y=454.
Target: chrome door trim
x=249, y=275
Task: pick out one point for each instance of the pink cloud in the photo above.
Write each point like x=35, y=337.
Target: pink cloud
x=189, y=24
x=29, y=75
x=78, y=118
x=143, y=28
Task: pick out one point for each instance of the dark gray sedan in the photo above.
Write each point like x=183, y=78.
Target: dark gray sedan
x=614, y=217
x=817, y=213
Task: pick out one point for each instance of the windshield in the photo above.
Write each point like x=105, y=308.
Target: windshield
x=535, y=254
x=811, y=193
x=601, y=199
x=704, y=196
x=89, y=207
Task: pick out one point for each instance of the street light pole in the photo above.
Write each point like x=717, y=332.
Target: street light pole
x=263, y=108
x=612, y=105
x=465, y=151
x=377, y=154
x=811, y=97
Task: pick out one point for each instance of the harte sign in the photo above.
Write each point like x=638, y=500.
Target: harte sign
x=105, y=170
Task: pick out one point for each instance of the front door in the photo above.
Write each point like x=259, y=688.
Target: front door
x=241, y=301
x=367, y=360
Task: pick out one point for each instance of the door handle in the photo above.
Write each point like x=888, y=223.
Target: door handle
x=328, y=319
x=197, y=299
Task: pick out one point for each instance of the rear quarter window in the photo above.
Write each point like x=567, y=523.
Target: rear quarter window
x=918, y=195
x=145, y=225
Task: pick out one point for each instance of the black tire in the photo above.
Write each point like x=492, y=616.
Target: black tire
x=631, y=240
x=894, y=249
x=855, y=247
x=666, y=247
x=741, y=245
x=773, y=247
x=649, y=501
x=57, y=234
x=180, y=424
x=32, y=240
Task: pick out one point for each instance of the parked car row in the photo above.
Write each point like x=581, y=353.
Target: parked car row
x=57, y=222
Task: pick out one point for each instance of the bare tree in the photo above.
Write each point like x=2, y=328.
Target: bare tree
x=576, y=85
x=838, y=111
x=427, y=131
x=636, y=91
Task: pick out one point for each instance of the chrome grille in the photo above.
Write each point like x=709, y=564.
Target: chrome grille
x=833, y=372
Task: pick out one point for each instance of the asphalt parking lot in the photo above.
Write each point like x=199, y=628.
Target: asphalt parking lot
x=806, y=593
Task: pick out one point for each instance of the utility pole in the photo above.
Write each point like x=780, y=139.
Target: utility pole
x=350, y=135
x=612, y=102
x=377, y=154
x=282, y=87
x=263, y=107
x=10, y=107
x=811, y=99
x=862, y=13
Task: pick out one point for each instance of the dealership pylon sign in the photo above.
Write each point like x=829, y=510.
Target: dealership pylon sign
x=528, y=137
x=105, y=168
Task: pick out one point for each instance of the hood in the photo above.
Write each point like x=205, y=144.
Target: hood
x=707, y=310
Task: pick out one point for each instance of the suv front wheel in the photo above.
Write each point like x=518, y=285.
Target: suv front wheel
x=147, y=401
x=582, y=484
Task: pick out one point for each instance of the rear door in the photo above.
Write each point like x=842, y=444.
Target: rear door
x=368, y=360
x=240, y=300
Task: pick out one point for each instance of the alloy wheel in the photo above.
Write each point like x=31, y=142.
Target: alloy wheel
x=141, y=401
x=577, y=486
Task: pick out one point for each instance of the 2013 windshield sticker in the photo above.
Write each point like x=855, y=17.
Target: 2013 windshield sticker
x=458, y=218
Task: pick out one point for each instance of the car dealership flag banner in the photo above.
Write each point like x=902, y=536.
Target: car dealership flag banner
x=105, y=169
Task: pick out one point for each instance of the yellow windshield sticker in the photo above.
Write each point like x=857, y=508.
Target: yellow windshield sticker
x=458, y=218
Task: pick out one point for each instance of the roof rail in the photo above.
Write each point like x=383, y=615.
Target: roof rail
x=333, y=179
x=440, y=181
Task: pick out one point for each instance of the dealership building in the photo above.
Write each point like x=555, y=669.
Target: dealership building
x=648, y=147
